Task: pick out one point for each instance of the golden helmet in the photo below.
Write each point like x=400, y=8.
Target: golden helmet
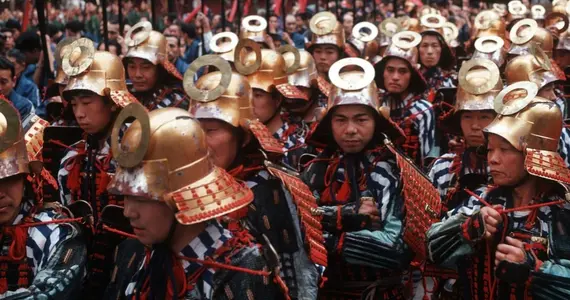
x=532, y=125
x=226, y=96
x=353, y=88
x=432, y=22
x=326, y=30
x=501, y=9
x=268, y=66
x=63, y=47
x=255, y=32
x=388, y=28
x=13, y=154
x=224, y=45
x=492, y=48
x=536, y=67
x=145, y=43
x=364, y=40
x=527, y=32
x=404, y=46
x=517, y=10
x=479, y=83
x=154, y=166
x=97, y=71
x=489, y=23
x=450, y=34
x=305, y=75
x=557, y=23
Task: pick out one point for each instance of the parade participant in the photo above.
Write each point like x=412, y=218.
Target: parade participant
x=492, y=48
x=7, y=83
x=489, y=23
x=53, y=265
x=509, y=241
x=538, y=13
x=397, y=74
x=435, y=55
x=562, y=52
x=173, y=197
x=96, y=92
x=174, y=57
x=279, y=210
x=357, y=185
x=363, y=42
x=388, y=28
x=58, y=112
x=526, y=33
x=479, y=84
x=547, y=75
x=156, y=82
x=254, y=28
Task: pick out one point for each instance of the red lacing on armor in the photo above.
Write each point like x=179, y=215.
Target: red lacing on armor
x=119, y=232
x=341, y=190
x=162, y=95
x=74, y=165
x=16, y=257
x=531, y=219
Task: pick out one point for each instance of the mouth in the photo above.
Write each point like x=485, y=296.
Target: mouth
x=4, y=208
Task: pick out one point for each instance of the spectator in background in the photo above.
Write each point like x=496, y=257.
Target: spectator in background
x=114, y=47
x=192, y=43
x=173, y=49
x=92, y=22
x=74, y=29
x=216, y=21
x=29, y=44
x=273, y=27
x=347, y=23
x=7, y=82
x=277, y=41
x=175, y=30
x=8, y=35
x=15, y=26
x=55, y=33
x=24, y=87
x=303, y=20
x=293, y=37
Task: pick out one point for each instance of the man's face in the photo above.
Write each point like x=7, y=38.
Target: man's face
x=300, y=23
x=222, y=142
x=273, y=23
x=397, y=75
x=9, y=40
x=151, y=220
x=547, y=92
x=430, y=51
x=113, y=30
x=7, y=82
x=91, y=112
x=472, y=125
x=291, y=24
x=352, y=127
x=264, y=106
x=18, y=67
x=173, y=48
x=11, y=193
x=506, y=163
x=348, y=23
x=325, y=56
x=175, y=30
x=143, y=74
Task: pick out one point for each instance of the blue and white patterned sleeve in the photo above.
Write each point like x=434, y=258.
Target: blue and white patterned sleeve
x=63, y=176
x=383, y=248
x=425, y=124
x=58, y=258
x=564, y=145
x=439, y=174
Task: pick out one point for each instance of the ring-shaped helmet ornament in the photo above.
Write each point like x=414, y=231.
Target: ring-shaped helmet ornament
x=297, y=60
x=13, y=125
x=323, y=23
x=125, y=157
x=239, y=65
x=359, y=34
x=483, y=19
x=406, y=39
x=450, y=32
x=557, y=20
x=390, y=27
x=79, y=57
x=62, y=48
x=537, y=11
x=504, y=104
x=527, y=33
x=334, y=74
x=500, y=8
x=478, y=63
x=489, y=44
x=207, y=95
x=434, y=21
x=138, y=34
x=541, y=57
x=224, y=47
x=517, y=8
x=248, y=23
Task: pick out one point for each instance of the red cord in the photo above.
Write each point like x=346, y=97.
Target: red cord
x=217, y=265
x=119, y=232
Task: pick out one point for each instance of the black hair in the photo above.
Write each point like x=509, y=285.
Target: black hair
x=52, y=29
x=28, y=42
x=117, y=45
x=5, y=64
x=189, y=29
x=7, y=30
x=173, y=36
x=17, y=55
x=304, y=16
x=13, y=24
x=75, y=26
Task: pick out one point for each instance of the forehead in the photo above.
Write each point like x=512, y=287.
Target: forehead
x=325, y=47
x=352, y=110
x=5, y=74
x=290, y=19
x=138, y=61
x=428, y=38
x=171, y=39
x=396, y=63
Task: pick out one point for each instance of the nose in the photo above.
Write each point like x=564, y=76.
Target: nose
x=129, y=212
x=79, y=111
x=350, y=129
x=493, y=157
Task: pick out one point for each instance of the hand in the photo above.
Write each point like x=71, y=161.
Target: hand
x=512, y=251
x=368, y=207
x=287, y=38
x=492, y=219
